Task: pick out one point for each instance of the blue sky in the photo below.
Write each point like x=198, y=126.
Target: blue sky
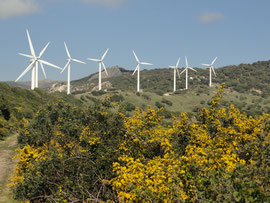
x=160, y=31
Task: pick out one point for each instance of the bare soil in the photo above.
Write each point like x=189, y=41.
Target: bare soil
x=7, y=166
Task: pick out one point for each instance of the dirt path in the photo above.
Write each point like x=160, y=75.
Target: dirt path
x=7, y=166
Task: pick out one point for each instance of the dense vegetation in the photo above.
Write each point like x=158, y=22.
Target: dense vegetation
x=76, y=154
x=18, y=104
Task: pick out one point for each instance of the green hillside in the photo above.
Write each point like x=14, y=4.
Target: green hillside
x=17, y=103
x=242, y=78
x=185, y=101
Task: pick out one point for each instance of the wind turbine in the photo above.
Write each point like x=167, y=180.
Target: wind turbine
x=186, y=69
x=68, y=66
x=174, y=76
x=100, y=63
x=138, y=70
x=211, y=68
x=34, y=61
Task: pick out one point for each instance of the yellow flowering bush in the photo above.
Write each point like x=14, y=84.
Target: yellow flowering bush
x=69, y=154
x=194, y=161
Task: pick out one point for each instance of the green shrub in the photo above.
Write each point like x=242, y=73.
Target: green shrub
x=72, y=151
x=159, y=105
x=117, y=98
x=3, y=128
x=146, y=97
x=159, y=92
x=93, y=99
x=129, y=106
x=98, y=93
x=165, y=101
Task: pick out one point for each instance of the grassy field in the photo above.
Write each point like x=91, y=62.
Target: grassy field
x=188, y=101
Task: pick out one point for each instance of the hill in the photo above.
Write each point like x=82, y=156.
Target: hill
x=242, y=78
x=17, y=103
x=43, y=84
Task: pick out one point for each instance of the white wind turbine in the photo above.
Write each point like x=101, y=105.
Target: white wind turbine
x=211, y=68
x=175, y=68
x=100, y=63
x=138, y=70
x=34, y=61
x=68, y=66
x=186, y=69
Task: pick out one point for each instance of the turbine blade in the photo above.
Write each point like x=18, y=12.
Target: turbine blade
x=148, y=64
x=136, y=56
x=183, y=71
x=214, y=61
x=214, y=71
x=177, y=64
x=43, y=50
x=178, y=72
x=30, y=44
x=25, y=71
x=96, y=60
x=49, y=64
x=78, y=61
x=104, y=54
x=205, y=64
x=192, y=69
x=42, y=68
x=186, y=61
x=172, y=67
x=26, y=55
x=65, y=66
x=135, y=69
x=104, y=68
x=68, y=54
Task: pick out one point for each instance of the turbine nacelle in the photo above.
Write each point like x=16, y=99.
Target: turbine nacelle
x=176, y=67
x=138, y=69
x=187, y=67
x=100, y=61
x=139, y=63
x=69, y=59
x=210, y=66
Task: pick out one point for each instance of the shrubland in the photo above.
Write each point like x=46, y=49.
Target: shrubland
x=77, y=154
x=18, y=105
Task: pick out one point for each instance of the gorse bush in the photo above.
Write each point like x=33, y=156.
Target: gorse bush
x=222, y=157
x=98, y=154
x=66, y=153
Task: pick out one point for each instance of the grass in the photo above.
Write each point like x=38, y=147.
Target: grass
x=190, y=101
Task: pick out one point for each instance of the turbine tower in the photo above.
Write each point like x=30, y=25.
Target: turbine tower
x=34, y=61
x=186, y=69
x=211, y=68
x=100, y=63
x=175, y=68
x=68, y=66
x=138, y=70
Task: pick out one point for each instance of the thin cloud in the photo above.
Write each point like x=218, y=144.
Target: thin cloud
x=208, y=17
x=10, y=8
x=112, y=3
